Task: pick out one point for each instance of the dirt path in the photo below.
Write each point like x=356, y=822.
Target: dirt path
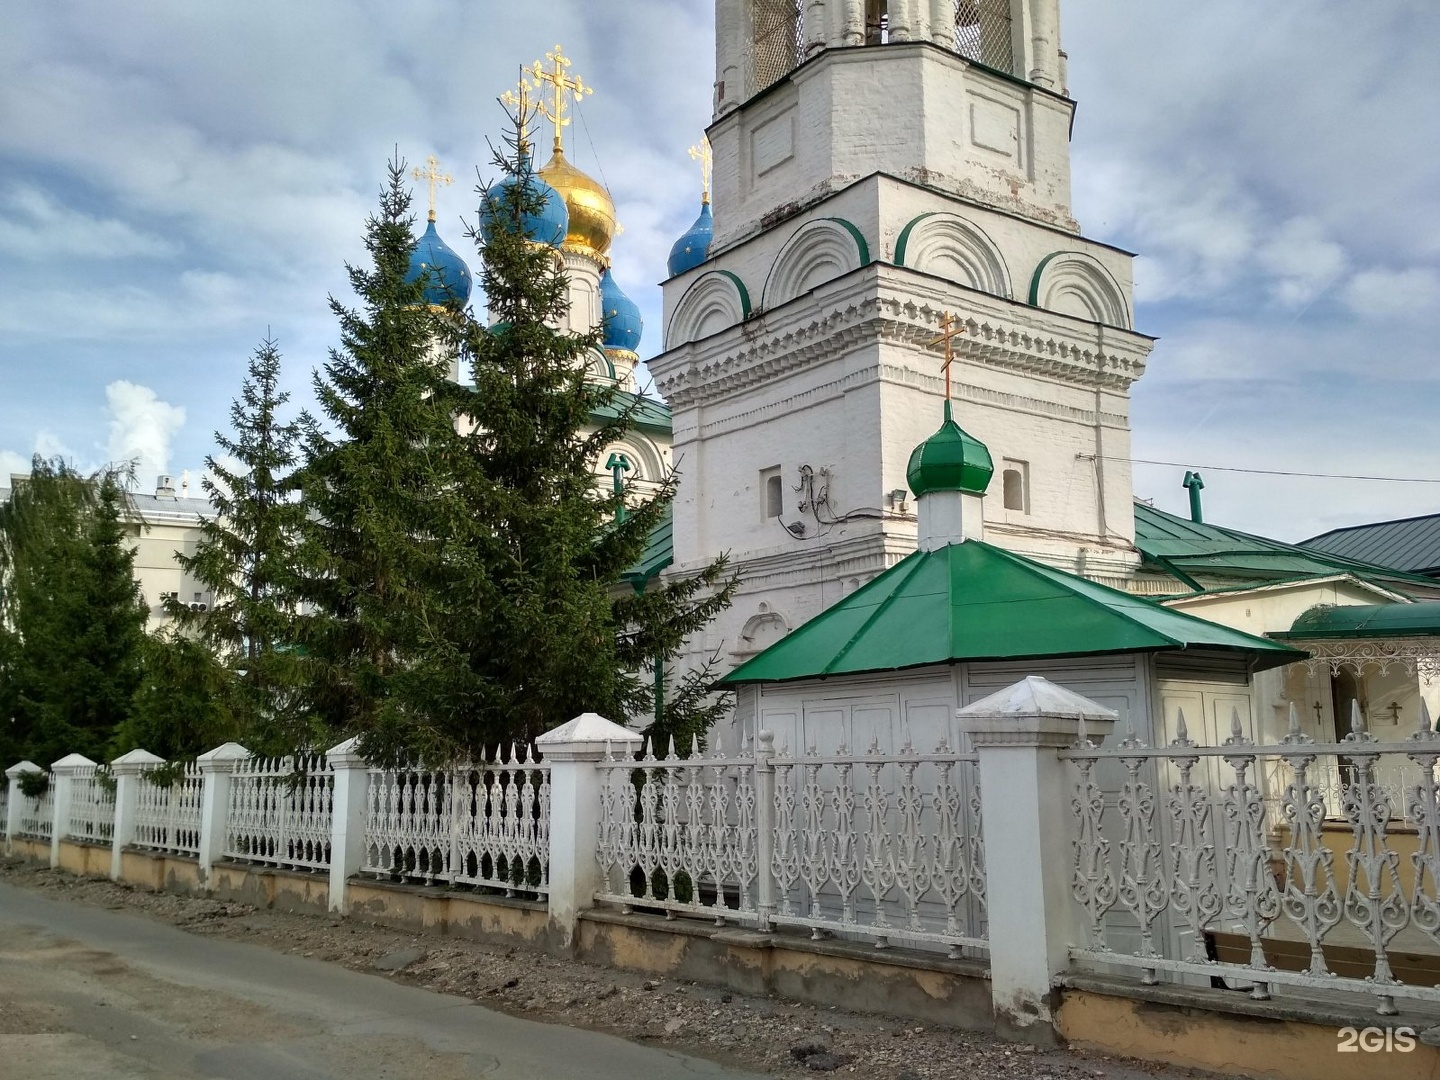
x=764, y=1035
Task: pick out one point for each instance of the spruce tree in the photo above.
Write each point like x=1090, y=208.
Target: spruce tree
x=375, y=464
x=73, y=614
x=245, y=557
x=537, y=625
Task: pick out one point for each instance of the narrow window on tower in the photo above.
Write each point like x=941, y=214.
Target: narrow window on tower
x=983, y=30
x=771, y=493
x=1015, y=480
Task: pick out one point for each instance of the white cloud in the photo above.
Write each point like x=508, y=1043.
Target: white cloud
x=1415, y=291
x=1301, y=262
x=141, y=427
x=36, y=227
x=12, y=464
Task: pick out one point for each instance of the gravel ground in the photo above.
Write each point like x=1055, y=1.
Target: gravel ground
x=765, y=1035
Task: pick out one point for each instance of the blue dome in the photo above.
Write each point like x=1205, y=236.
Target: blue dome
x=548, y=226
x=694, y=247
x=448, y=284
x=621, y=314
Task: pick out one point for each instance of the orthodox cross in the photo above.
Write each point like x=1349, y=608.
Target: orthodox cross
x=701, y=153
x=522, y=105
x=564, y=89
x=619, y=465
x=432, y=175
x=950, y=329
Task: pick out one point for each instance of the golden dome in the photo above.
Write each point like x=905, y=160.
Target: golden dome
x=592, y=213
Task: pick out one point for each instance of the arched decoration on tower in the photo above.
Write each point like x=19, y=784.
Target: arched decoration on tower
x=599, y=366
x=957, y=250
x=817, y=252
x=1074, y=283
x=716, y=301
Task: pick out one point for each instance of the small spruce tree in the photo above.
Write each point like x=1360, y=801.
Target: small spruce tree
x=245, y=558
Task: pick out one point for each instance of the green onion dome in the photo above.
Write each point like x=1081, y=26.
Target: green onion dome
x=950, y=460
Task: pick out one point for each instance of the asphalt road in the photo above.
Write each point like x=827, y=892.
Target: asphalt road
x=88, y=994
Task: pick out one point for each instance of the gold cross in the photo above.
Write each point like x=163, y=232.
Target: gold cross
x=522, y=106
x=701, y=153
x=563, y=85
x=951, y=328
x=433, y=176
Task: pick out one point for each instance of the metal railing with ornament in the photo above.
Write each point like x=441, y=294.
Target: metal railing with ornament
x=92, y=805
x=168, y=810
x=280, y=812
x=482, y=824
x=1182, y=873
x=878, y=846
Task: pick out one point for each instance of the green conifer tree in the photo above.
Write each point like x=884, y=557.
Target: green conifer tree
x=537, y=624
x=370, y=554
x=72, y=611
x=245, y=558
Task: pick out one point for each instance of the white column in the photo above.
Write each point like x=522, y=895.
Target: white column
x=1043, y=54
x=852, y=22
x=816, y=28
x=732, y=28
x=63, y=777
x=12, y=807
x=347, y=817
x=216, y=766
x=1027, y=828
x=574, y=751
x=942, y=23
x=127, y=770
x=901, y=21
x=765, y=825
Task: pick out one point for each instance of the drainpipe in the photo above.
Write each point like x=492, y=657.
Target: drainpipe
x=1194, y=483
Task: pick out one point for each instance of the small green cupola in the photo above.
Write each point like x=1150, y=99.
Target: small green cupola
x=950, y=460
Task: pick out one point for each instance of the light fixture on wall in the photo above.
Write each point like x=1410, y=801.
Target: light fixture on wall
x=897, y=500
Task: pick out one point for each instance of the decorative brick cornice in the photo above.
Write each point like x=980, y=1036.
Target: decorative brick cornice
x=882, y=303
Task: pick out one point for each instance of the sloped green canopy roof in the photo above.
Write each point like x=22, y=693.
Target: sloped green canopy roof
x=972, y=601
x=1367, y=621
x=648, y=415
x=659, y=552
x=1184, y=548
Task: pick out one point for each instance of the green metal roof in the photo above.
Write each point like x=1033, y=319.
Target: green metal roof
x=659, y=552
x=1189, y=549
x=1367, y=621
x=1411, y=544
x=972, y=601
x=648, y=415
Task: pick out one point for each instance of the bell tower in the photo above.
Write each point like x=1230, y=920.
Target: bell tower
x=891, y=176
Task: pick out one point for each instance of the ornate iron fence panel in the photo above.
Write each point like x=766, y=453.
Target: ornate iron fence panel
x=280, y=812
x=92, y=806
x=483, y=824
x=881, y=846
x=37, y=813
x=681, y=834
x=1224, y=879
x=167, y=817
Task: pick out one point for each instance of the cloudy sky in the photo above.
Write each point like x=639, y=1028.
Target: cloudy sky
x=177, y=179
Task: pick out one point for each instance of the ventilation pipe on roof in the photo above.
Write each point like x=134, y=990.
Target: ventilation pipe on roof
x=1194, y=483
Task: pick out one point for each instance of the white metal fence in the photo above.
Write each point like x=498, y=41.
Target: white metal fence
x=884, y=847
x=279, y=812
x=168, y=812
x=36, y=819
x=92, y=806
x=474, y=824
x=1182, y=872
